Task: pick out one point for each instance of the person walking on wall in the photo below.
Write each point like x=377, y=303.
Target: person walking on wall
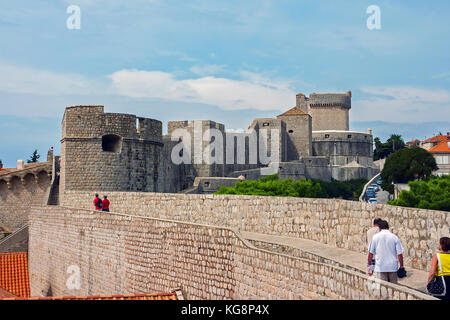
x=439, y=277
x=388, y=252
x=105, y=204
x=97, y=202
x=370, y=233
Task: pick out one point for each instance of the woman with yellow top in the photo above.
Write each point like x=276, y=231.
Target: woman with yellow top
x=441, y=267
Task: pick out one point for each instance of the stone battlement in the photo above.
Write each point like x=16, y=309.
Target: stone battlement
x=93, y=122
x=330, y=99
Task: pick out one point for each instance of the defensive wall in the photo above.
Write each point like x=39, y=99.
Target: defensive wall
x=19, y=190
x=339, y=223
x=120, y=254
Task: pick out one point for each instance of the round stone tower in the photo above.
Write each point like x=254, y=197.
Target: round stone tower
x=109, y=151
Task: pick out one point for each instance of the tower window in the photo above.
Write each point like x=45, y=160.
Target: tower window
x=291, y=131
x=111, y=143
x=349, y=136
x=327, y=136
x=266, y=124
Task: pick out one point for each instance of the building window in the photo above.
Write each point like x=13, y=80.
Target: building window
x=327, y=136
x=442, y=159
x=266, y=124
x=291, y=131
x=349, y=136
x=111, y=143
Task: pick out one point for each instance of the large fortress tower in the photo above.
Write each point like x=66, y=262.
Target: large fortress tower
x=329, y=111
x=109, y=151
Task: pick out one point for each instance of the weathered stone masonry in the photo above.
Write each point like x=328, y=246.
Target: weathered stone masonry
x=129, y=254
x=21, y=189
x=339, y=223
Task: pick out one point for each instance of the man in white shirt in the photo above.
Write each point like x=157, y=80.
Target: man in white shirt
x=388, y=253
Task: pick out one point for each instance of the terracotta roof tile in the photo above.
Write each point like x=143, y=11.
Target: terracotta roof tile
x=441, y=147
x=295, y=111
x=14, y=273
x=154, y=296
x=438, y=138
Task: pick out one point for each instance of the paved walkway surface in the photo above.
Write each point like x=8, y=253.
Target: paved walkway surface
x=416, y=279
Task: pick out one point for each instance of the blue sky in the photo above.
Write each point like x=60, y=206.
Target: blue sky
x=228, y=61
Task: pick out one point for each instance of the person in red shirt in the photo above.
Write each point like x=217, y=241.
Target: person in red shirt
x=97, y=202
x=105, y=204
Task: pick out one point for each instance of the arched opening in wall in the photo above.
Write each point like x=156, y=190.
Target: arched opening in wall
x=16, y=184
x=111, y=143
x=43, y=179
x=291, y=131
x=30, y=182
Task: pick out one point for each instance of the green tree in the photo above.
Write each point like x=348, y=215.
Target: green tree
x=396, y=142
x=34, y=157
x=384, y=150
x=407, y=164
x=432, y=194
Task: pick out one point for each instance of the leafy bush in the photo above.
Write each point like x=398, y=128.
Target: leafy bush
x=273, y=186
x=432, y=194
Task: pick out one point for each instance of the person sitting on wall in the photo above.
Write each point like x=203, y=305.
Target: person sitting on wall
x=388, y=252
x=105, y=204
x=97, y=202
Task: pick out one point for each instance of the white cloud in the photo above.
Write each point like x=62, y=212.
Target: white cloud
x=254, y=92
x=21, y=79
x=207, y=70
x=402, y=104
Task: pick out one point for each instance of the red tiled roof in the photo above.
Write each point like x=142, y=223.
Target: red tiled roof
x=14, y=273
x=154, y=296
x=441, y=147
x=438, y=138
x=413, y=141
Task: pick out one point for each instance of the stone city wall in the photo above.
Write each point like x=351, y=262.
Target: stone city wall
x=24, y=191
x=121, y=254
x=340, y=223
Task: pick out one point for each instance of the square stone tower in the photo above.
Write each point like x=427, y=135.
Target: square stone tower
x=298, y=133
x=329, y=111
